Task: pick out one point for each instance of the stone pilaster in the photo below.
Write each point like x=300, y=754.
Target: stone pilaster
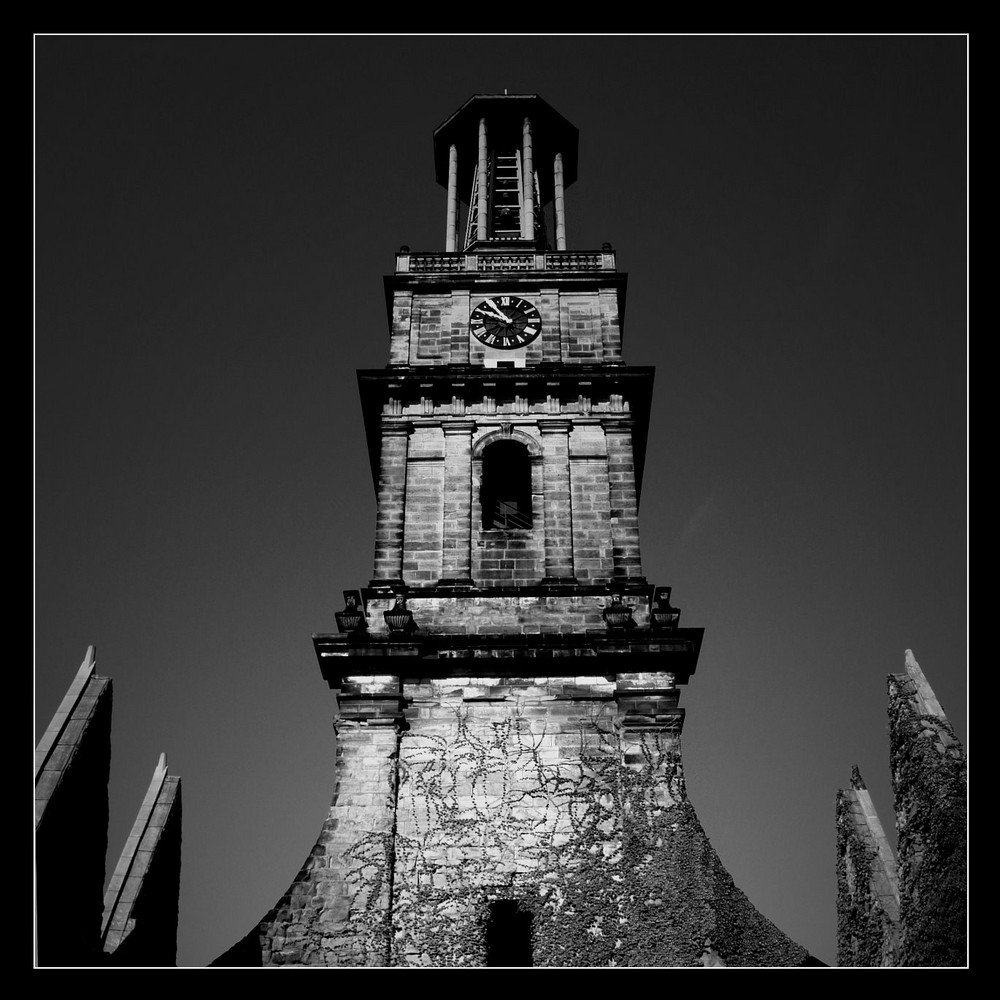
x=460, y=326
x=391, y=505
x=457, y=540
x=624, y=503
x=611, y=334
x=402, y=321
x=558, y=506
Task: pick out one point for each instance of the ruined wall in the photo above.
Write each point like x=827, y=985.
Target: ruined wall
x=867, y=886
x=141, y=901
x=78, y=924
x=910, y=910
x=71, y=822
x=929, y=783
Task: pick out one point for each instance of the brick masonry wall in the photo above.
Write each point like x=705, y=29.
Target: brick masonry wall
x=507, y=557
x=458, y=317
x=584, y=519
x=548, y=347
x=390, y=500
x=336, y=912
x=593, y=551
x=423, y=528
x=558, y=519
x=611, y=334
x=622, y=496
x=479, y=614
x=433, y=328
x=580, y=326
x=399, y=332
x=457, y=500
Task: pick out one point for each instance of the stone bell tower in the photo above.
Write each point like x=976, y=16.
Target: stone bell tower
x=508, y=781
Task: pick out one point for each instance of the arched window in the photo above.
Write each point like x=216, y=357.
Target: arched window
x=506, y=491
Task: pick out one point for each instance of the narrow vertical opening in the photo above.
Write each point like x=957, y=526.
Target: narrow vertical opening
x=508, y=934
x=506, y=195
x=506, y=493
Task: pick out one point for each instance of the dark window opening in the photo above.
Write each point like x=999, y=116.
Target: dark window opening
x=508, y=935
x=506, y=492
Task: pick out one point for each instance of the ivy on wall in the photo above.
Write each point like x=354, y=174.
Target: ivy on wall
x=929, y=779
x=585, y=826
x=865, y=934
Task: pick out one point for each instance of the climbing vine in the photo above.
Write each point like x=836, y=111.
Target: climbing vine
x=586, y=828
x=929, y=778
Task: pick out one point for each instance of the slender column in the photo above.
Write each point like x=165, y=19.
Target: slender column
x=558, y=501
x=456, y=544
x=451, y=233
x=391, y=505
x=559, y=196
x=483, y=174
x=624, y=503
x=527, y=184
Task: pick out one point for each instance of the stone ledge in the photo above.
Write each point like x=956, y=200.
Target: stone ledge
x=504, y=655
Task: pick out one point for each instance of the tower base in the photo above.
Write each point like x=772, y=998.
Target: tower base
x=513, y=820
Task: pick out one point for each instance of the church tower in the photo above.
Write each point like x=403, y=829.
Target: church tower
x=508, y=786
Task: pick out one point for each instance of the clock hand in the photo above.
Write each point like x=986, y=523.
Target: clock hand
x=499, y=315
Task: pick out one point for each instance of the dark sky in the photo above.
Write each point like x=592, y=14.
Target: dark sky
x=213, y=219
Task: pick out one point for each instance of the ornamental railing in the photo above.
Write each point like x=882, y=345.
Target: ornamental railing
x=449, y=263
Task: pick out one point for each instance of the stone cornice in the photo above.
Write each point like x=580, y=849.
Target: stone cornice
x=595, y=651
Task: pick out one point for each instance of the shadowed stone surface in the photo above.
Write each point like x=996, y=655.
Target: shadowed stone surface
x=73, y=762
x=867, y=886
x=140, y=905
x=929, y=780
x=910, y=910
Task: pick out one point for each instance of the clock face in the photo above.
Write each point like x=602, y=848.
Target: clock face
x=505, y=322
